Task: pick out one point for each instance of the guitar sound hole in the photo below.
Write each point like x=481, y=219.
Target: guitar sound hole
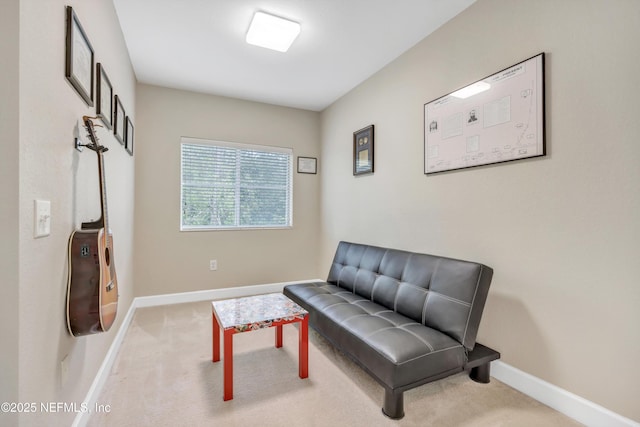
x=107, y=257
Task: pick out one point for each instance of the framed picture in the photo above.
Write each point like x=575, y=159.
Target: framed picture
x=307, y=165
x=498, y=119
x=104, y=97
x=128, y=134
x=363, y=151
x=79, y=58
x=119, y=122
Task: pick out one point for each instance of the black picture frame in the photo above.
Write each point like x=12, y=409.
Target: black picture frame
x=363, y=146
x=119, y=121
x=128, y=134
x=307, y=165
x=104, y=97
x=80, y=60
x=495, y=120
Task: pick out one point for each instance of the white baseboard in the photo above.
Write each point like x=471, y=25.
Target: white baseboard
x=576, y=407
x=582, y=410
x=103, y=373
x=213, y=294
x=90, y=400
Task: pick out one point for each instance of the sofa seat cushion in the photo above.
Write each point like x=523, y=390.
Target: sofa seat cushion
x=393, y=348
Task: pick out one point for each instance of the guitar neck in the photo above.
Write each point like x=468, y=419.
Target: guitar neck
x=103, y=193
x=103, y=221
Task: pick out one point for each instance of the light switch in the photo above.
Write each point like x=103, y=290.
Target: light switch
x=42, y=218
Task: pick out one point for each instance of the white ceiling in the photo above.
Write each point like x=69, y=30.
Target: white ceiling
x=199, y=45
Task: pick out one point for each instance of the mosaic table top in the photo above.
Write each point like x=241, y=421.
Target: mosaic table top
x=256, y=312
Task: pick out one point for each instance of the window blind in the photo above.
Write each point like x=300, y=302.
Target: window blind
x=228, y=185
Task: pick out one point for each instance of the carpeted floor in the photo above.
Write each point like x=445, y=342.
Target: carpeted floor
x=163, y=376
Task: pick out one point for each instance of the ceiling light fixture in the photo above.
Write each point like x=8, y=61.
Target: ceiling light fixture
x=471, y=90
x=272, y=32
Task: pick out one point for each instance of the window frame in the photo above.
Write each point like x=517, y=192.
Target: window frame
x=237, y=146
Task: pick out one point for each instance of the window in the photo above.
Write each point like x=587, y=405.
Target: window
x=227, y=185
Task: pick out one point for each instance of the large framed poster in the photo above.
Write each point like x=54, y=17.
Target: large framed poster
x=497, y=119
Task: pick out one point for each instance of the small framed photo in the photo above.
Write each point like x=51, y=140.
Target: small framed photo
x=119, y=121
x=79, y=62
x=128, y=134
x=104, y=97
x=307, y=165
x=363, y=151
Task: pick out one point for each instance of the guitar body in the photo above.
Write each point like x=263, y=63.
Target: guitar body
x=92, y=291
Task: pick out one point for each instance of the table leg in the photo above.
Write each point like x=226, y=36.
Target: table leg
x=215, y=338
x=278, y=336
x=228, y=364
x=303, y=348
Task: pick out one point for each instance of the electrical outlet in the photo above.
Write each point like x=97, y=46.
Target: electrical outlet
x=213, y=264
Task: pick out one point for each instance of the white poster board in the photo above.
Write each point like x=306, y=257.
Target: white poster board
x=494, y=120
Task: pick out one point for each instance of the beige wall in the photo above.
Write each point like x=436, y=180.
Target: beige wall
x=168, y=260
x=41, y=155
x=9, y=332
x=562, y=232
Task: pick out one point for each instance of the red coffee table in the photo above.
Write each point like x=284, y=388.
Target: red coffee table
x=252, y=313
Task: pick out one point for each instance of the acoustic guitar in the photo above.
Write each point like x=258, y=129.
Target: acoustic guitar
x=92, y=289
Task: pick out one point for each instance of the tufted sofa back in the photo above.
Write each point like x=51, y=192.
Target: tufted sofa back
x=441, y=293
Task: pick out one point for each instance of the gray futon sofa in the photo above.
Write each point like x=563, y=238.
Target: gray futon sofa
x=405, y=318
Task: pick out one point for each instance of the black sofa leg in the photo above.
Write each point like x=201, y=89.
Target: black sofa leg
x=481, y=374
x=393, y=404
